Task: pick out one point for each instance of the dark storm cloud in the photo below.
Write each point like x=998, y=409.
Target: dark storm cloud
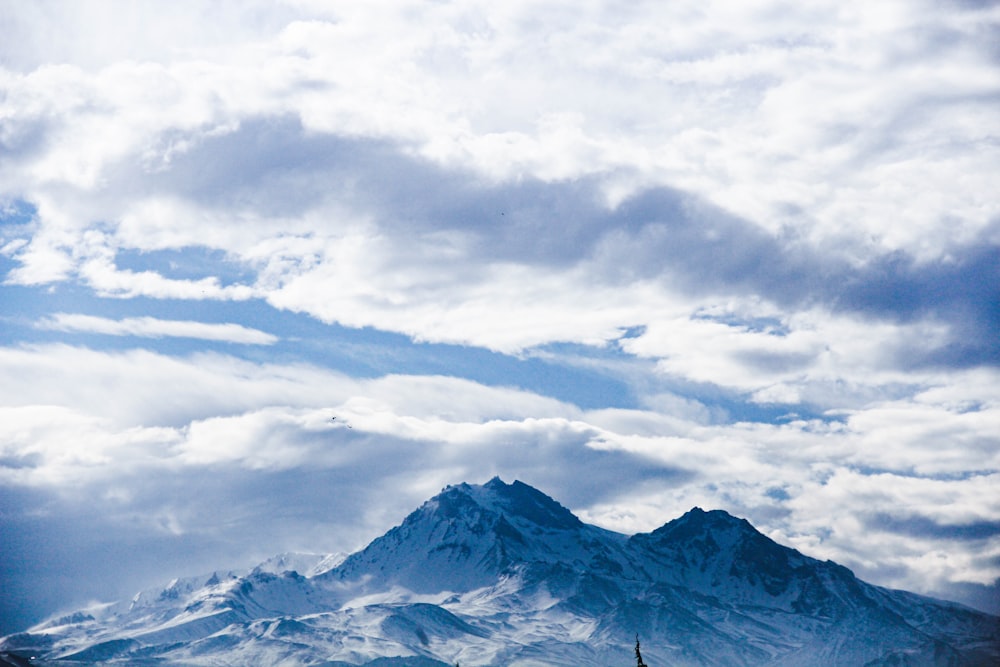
x=921, y=526
x=962, y=290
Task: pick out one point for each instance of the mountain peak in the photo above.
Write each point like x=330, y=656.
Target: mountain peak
x=697, y=521
x=496, y=483
x=467, y=535
x=724, y=556
x=520, y=503
x=501, y=574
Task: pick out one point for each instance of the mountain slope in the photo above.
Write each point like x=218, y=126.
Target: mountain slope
x=501, y=574
x=468, y=536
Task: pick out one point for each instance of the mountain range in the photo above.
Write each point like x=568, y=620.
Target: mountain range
x=502, y=574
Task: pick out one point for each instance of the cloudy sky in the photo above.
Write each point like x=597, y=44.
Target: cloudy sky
x=274, y=273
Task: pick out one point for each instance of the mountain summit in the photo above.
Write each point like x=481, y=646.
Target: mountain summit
x=468, y=536
x=502, y=574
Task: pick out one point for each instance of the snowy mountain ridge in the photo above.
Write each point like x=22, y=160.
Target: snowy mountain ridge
x=501, y=574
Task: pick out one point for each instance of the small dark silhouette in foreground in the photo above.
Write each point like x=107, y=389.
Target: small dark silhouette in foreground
x=638, y=656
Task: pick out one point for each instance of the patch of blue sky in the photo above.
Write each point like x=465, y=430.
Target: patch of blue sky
x=356, y=352
x=16, y=212
x=633, y=332
x=7, y=262
x=778, y=493
x=585, y=376
x=190, y=263
x=769, y=325
x=14, y=217
x=371, y=352
x=22, y=304
x=911, y=472
x=748, y=411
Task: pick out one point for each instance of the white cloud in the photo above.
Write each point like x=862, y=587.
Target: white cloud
x=872, y=528
x=798, y=118
x=141, y=388
x=99, y=33
x=790, y=107
x=767, y=117
x=152, y=327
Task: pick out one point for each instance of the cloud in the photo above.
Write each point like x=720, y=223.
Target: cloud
x=107, y=386
x=706, y=100
x=733, y=211
x=248, y=431
x=101, y=33
x=151, y=327
x=593, y=230
x=441, y=255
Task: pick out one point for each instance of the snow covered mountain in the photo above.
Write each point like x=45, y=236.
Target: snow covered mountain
x=501, y=574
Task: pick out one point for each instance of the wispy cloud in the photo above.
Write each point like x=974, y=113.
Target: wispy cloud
x=151, y=327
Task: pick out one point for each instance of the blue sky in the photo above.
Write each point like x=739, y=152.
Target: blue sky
x=275, y=273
